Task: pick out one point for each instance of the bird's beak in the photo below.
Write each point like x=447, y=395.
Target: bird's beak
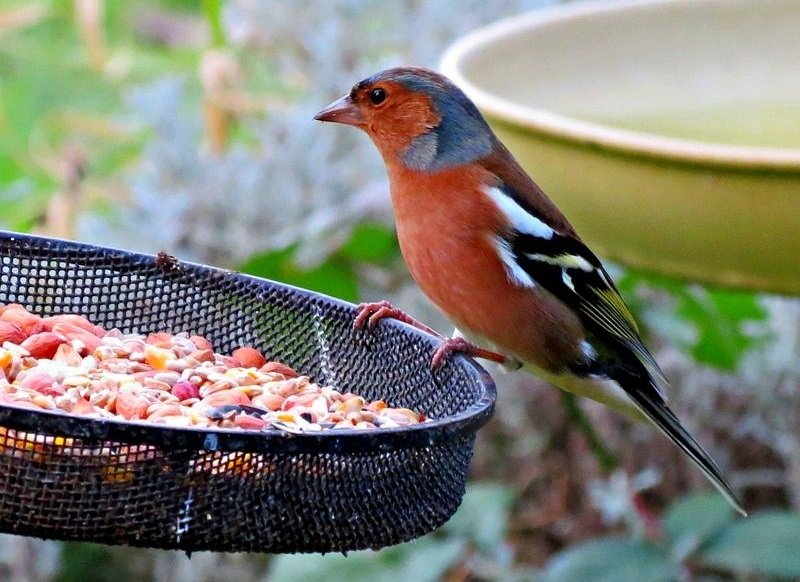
x=342, y=111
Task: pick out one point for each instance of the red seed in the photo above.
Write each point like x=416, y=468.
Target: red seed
x=130, y=406
x=43, y=344
x=77, y=320
x=183, y=390
x=11, y=332
x=71, y=332
x=200, y=342
x=247, y=422
x=249, y=357
x=223, y=397
x=278, y=368
x=28, y=322
x=160, y=339
x=82, y=406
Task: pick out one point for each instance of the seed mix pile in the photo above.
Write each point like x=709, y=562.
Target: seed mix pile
x=66, y=363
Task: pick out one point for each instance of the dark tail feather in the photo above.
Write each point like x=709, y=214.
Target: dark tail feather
x=668, y=423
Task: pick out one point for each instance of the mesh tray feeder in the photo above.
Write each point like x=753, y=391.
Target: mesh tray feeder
x=113, y=482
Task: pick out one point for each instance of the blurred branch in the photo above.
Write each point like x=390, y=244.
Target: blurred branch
x=213, y=13
x=89, y=18
x=220, y=74
x=23, y=16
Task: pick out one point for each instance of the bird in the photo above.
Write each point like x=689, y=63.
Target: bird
x=494, y=253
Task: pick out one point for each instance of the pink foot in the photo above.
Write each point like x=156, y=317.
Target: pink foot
x=369, y=314
x=459, y=345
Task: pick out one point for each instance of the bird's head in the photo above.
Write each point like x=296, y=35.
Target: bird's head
x=416, y=117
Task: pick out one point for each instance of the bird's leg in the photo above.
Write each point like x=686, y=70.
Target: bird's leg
x=369, y=314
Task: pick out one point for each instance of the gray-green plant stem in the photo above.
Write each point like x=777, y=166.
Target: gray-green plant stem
x=577, y=417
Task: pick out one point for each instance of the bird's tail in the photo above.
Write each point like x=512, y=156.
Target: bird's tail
x=660, y=414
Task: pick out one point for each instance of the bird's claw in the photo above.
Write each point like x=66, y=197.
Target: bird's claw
x=369, y=314
x=459, y=345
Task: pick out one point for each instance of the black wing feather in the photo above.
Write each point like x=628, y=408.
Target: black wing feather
x=569, y=270
x=589, y=290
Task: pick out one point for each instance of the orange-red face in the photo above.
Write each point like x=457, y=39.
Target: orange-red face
x=389, y=112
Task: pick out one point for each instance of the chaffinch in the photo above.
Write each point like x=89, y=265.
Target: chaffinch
x=496, y=255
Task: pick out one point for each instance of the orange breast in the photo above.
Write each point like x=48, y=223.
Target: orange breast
x=447, y=230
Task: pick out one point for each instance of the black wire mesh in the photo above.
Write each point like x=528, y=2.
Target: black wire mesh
x=113, y=482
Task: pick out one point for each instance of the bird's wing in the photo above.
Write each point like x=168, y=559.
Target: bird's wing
x=537, y=254
x=568, y=269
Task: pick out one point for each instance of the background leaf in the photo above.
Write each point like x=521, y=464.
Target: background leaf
x=610, y=560
x=767, y=543
x=480, y=522
x=693, y=519
x=332, y=277
x=483, y=515
x=719, y=315
x=83, y=562
x=425, y=560
x=371, y=242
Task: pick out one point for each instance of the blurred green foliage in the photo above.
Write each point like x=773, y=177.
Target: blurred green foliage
x=719, y=317
x=53, y=99
x=82, y=562
x=612, y=559
x=368, y=243
x=335, y=276
x=699, y=537
x=474, y=540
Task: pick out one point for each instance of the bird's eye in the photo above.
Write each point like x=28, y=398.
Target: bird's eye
x=377, y=95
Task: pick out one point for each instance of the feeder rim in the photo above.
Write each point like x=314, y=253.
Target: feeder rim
x=194, y=439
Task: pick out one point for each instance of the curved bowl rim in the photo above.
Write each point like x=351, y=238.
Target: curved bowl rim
x=565, y=128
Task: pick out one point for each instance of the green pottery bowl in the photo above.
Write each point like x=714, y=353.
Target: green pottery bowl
x=668, y=131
